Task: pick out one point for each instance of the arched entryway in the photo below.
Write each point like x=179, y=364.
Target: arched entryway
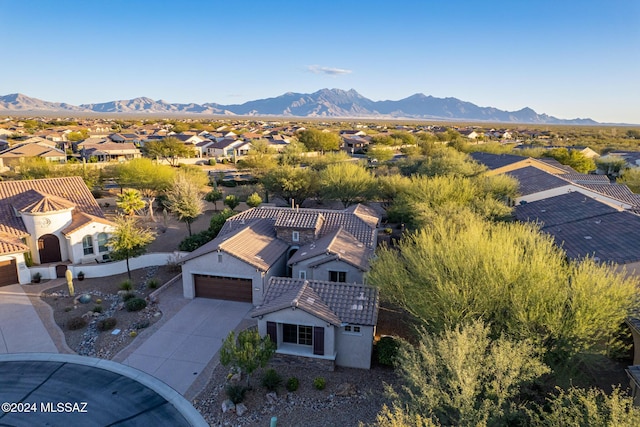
x=49, y=249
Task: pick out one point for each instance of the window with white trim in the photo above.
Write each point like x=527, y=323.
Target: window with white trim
x=354, y=329
x=103, y=242
x=295, y=236
x=87, y=245
x=302, y=274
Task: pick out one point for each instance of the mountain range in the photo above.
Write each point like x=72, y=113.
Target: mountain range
x=325, y=103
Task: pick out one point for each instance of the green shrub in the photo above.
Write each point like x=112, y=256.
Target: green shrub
x=106, y=324
x=129, y=295
x=68, y=309
x=135, y=304
x=319, y=383
x=386, y=350
x=141, y=325
x=292, y=384
x=97, y=309
x=127, y=285
x=76, y=323
x=152, y=283
x=271, y=380
x=235, y=392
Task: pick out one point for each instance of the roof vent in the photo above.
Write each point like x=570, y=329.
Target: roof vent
x=311, y=300
x=598, y=221
x=361, y=297
x=357, y=307
x=588, y=237
x=543, y=210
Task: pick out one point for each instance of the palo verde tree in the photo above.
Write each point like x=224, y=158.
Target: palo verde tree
x=149, y=178
x=184, y=200
x=317, y=140
x=170, y=149
x=463, y=377
x=129, y=240
x=248, y=352
x=464, y=268
x=291, y=183
x=348, y=182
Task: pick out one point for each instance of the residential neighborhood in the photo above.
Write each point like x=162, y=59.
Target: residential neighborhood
x=316, y=252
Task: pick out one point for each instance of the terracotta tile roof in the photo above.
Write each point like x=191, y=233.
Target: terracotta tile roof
x=254, y=243
x=36, y=149
x=333, y=302
x=33, y=201
x=80, y=219
x=342, y=245
x=11, y=245
x=333, y=219
x=72, y=189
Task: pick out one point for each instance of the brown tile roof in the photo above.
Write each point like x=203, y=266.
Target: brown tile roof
x=72, y=189
x=342, y=245
x=80, y=219
x=333, y=302
x=362, y=230
x=11, y=245
x=296, y=219
x=32, y=150
x=33, y=201
x=254, y=243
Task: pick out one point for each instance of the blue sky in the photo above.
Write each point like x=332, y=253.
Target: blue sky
x=565, y=58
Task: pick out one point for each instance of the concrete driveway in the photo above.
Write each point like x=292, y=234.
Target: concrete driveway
x=21, y=330
x=181, y=348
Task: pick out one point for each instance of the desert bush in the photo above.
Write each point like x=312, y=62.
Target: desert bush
x=271, y=380
x=152, y=283
x=135, y=304
x=292, y=384
x=319, y=383
x=76, y=323
x=127, y=285
x=129, y=295
x=386, y=350
x=235, y=392
x=106, y=324
x=97, y=309
x=141, y=325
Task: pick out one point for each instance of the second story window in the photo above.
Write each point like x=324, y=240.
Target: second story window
x=295, y=236
x=103, y=240
x=338, y=276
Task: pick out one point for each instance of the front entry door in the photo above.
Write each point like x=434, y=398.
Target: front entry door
x=49, y=249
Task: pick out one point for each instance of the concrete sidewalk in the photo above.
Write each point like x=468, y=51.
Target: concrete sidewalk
x=180, y=349
x=21, y=329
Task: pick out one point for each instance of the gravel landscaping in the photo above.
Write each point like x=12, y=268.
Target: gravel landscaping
x=105, y=301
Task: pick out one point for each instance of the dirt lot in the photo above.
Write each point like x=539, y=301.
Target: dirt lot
x=104, y=294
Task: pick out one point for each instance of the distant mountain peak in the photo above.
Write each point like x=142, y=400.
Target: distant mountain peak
x=322, y=103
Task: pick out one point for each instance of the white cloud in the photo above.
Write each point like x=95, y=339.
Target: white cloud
x=317, y=69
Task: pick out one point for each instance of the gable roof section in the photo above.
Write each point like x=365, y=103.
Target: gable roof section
x=333, y=302
x=607, y=238
x=581, y=178
x=81, y=219
x=495, y=161
x=35, y=149
x=562, y=209
x=583, y=227
x=333, y=219
x=295, y=219
x=71, y=189
x=254, y=243
x=342, y=245
x=532, y=180
x=11, y=245
x=615, y=191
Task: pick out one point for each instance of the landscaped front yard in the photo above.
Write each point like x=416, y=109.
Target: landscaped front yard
x=86, y=328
